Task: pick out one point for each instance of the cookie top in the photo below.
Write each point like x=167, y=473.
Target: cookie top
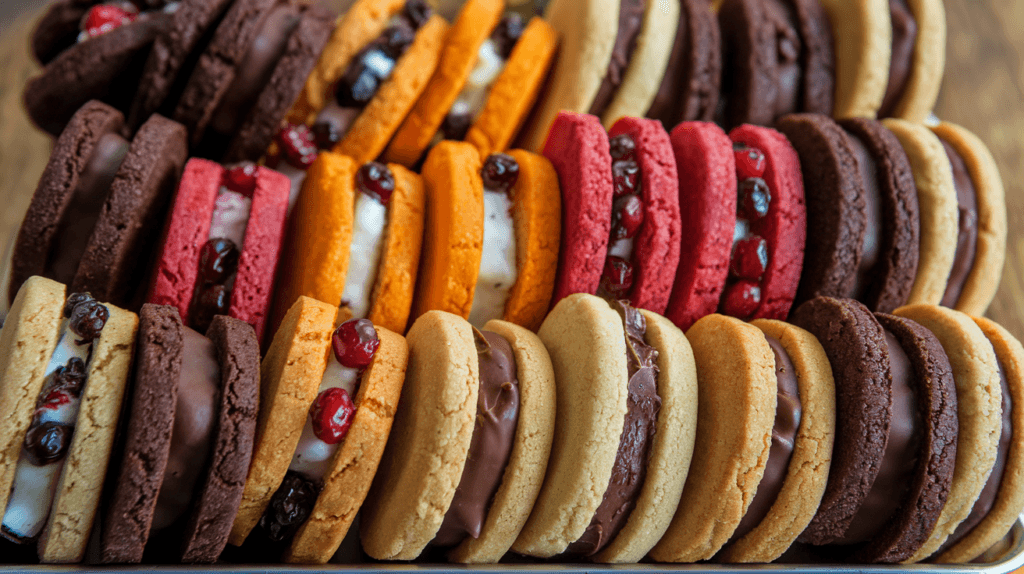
x=690, y=87
x=863, y=47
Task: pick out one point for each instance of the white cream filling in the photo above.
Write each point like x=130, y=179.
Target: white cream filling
x=370, y=220
x=230, y=217
x=471, y=100
x=35, y=486
x=313, y=456
x=498, y=270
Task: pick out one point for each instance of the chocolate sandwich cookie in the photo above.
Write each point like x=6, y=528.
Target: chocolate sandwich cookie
x=863, y=46
x=690, y=88
x=918, y=59
x=783, y=58
x=65, y=367
x=189, y=440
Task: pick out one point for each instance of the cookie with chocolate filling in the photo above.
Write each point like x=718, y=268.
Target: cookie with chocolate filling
x=329, y=396
x=471, y=443
x=100, y=204
x=189, y=440
x=65, y=364
x=355, y=240
x=863, y=35
x=478, y=54
x=917, y=61
x=689, y=90
x=614, y=479
x=781, y=60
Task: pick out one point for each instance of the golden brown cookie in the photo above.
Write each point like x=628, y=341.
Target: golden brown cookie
x=862, y=30
x=927, y=64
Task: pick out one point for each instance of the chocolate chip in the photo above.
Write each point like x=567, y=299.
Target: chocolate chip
x=69, y=378
x=290, y=506
x=500, y=172
x=456, y=126
x=417, y=12
x=507, y=33
x=396, y=39
x=357, y=87
x=47, y=442
x=88, y=319
x=326, y=135
x=213, y=300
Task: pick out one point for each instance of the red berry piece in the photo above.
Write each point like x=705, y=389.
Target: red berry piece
x=213, y=300
x=617, y=278
x=754, y=198
x=331, y=415
x=749, y=258
x=106, y=18
x=88, y=319
x=218, y=259
x=54, y=400
x=298, y=144
x=376, y=180
x=750, y=162
x=627, y=217
x=355, y=343
x=241, y=179
x=500, y=172
x=741, y=299
x=625, y=177
x=622, y=147
x=74, y=300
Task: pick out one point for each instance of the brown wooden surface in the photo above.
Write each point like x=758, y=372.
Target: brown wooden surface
x=983, y=90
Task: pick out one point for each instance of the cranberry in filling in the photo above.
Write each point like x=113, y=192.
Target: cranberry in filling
x=627, y=218
x=750, y=252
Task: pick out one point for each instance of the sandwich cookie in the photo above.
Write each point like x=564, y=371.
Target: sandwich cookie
x=614, y=479
x=918, y=59
x=1002, y=499
x=979, y=416
x=222, y=244
x=188, y=440
x=99, y=204
x=863, y=35
x=471, y=443
x=783, y=58
x=892, y=472
x=65, y=365
x=329, y=399
x=355, y=240
x=491, y=69
x=90, y=51
x=798, y=462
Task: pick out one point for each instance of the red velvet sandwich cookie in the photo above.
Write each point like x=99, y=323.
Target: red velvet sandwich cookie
x=188, y=440
x=222, y=244
x=64, y=366
x=100, y=205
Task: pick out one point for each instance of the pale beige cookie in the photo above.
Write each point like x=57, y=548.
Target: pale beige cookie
x=524, y=473
x=862, y=30
x=807, y=476
x=429, y=442
x=290, y=377
x=647, y=64
x=355, y=463
x=27, y=341
x=671, y=449
x=990, y=253
x=588, y=29
x=587, y=344
x=1010, y=498
x=928, y=62
x=939, y=211
x=979, y=414
x=737, y=393
x=67, y=530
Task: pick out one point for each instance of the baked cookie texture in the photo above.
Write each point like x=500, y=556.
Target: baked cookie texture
x=863, y=46
x=928, y=63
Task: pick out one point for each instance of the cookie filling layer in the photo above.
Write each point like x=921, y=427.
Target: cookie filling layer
x=631, y=18
x=195, y=416
x=896, y=471
x=967, y=236
x=871, y=247
x=498, y=266
x=788, y=412
x=627, y=219
x=83, y=212
x=750, y=251
x=374, y=183
x=630, y=468
x=904, y=37
x=789, y=74
x=49, y=435
x=491, y=446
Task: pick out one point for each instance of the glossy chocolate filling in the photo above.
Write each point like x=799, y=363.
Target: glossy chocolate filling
x=788, y=412
x=631, y=17
x=904, y=37
x=789, y=74
x=83, y=212
x=195, y=416
x=896, y=471
x=630, y=468
x=967, y=237
x=491, y=445
x=868, y=169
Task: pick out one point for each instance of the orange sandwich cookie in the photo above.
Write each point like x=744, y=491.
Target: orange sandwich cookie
x=490, y=73
x=355, y=240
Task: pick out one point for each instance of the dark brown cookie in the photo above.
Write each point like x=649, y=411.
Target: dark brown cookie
x=888, y=263
x=750, y=55
x=855, y=345
x=817, y=58
x=836, y=217
x=58, y=29
x=690, y=88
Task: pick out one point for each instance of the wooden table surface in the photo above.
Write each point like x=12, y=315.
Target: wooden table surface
x=983, y=90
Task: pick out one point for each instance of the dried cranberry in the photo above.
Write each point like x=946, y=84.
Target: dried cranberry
x=69, y=378
x=331, y=415
x=218, y=259
x=74, y=300
x=376, y=180
x=106, y=18
x=290, y=506
x=625, y=177
x=297, y=145
x=617, y=277
x=500, y=172
x=47, y=442
x=213, y=300
x=507, y=33
x=622, y=147
x=741, y=299
x=241, y=179
x=326, y=135
x=750, y=162
x=358, y=85
x=456, y=126
x=627, y=217
x=88, y=319
x=417, y=12
x=355, y=342
x=54, y=400
x=749, y=258
x=396, y=39
x=754, y=198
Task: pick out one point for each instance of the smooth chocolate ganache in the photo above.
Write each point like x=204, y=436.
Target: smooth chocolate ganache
x=904, y=37
x=631, y=18
x=967, y=237
x=491, y=445
x=630, y=468
x=871, y=246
